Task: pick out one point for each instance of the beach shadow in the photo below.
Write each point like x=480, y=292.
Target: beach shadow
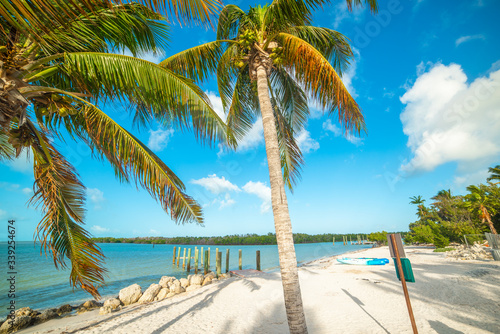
x=360, y=304
x=441, y=328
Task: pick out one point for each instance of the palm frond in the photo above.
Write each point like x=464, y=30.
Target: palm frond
x=333, y=45
x=7, y=152
x=196, y=63
x=62, y=195
x=320, y=80
x=170, y=96
x=228, y=24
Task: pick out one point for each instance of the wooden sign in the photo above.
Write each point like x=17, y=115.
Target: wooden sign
x=399, y=244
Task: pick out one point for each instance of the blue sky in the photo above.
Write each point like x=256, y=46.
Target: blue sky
x=427, y=76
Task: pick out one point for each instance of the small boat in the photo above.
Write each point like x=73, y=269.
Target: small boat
x=364, y=261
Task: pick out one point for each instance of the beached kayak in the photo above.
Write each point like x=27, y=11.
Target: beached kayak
x=364, y=261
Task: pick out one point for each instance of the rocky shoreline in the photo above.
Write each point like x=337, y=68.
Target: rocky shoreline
x=167, y=287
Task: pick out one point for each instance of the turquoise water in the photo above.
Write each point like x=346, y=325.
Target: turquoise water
x=39, y=285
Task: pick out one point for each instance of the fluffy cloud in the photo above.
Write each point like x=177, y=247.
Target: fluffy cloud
x=216, y=104
x=464, y=39
x=328, y=126
x=27, y=191
x=216, y=185
x=306, y=143
x=99, y=229
x=350, y=74
x=448, y=120
x=158, y=140
x=24, y=163
x=96, y=197
x=226, y=202
x=262, y=191
x=253, y=138
x=341, y=13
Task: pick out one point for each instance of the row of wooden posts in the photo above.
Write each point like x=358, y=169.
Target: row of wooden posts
x=361, y=240
x=203, y=256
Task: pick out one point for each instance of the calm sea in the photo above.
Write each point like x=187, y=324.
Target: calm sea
x=39, y=285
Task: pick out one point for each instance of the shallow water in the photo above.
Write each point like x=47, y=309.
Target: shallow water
x=39, y=285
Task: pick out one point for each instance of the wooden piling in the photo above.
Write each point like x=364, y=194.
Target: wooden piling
x=184, y=259
x=218, y=263
x=196, y=254
x=227, y=260
x=333, y=241
x=189, y=261
x=202, y=254
x=257, y=255
x=178, y=255
x=240, y=266
x=206, y=262
x=173, y=257
x=208, y=259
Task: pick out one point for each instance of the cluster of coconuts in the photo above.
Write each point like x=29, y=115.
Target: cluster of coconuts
x=277, y=55
x=246, y=40
x=20, y=137
x=57, y=104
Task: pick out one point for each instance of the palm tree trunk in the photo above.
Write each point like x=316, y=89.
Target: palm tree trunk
x=486, y=215
x=282, y=223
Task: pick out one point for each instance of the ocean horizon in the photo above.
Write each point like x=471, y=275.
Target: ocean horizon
x=40, y=285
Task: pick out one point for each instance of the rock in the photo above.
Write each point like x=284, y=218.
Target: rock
x=150, y=294
x=162, y=294
x=177, y=287
x=165, y=280
x=184, y=282
x=64, y=309
x=26, y=311
x=207, y=280
x=114, y=303
x=196, y=280
x=171, y=294
x=91, y=304
x=130, y=294
x=210, y=274
x=193, y=287
x=108, y=309
x=20, y=322
x=46, y=316
x=224, y=276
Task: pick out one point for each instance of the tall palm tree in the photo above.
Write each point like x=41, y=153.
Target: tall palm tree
x=268, y=61
x=53, y=75
x=419, y=201
x=480, y=203
x=495, y=174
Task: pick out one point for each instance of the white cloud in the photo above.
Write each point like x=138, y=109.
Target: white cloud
x=253, y=138
x=341, y=13
x=227, y=201
x=99, y=229
x=448, y=120
x=262, y=191
x=154, y=232
x=306, y=143
x=337, y=132
x=27, y=191
x=149, y=56
x=216, y=185
x=158, y=140
x=216, y=104
x=464, y=39
x=24, y=163
x=350, y=74
x=96, y=197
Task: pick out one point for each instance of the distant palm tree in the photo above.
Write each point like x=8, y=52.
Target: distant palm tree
x=495, y=174
x=55, y=69
x=269, y=61
x=480, y=203
x=419, y=201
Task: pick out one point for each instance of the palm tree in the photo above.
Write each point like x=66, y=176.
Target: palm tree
x=495, y=174
x=54, y=72
x=419, y=201
x=480, y=203
x=271, y=59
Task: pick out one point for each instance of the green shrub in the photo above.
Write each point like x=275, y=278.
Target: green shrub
x=441, y=250
x=440, y=241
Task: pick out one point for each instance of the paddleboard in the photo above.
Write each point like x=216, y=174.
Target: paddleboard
x=364, y=261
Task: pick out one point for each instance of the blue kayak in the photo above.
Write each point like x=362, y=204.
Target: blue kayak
x=364, y=261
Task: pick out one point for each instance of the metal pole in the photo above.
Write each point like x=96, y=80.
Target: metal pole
x=403, y=282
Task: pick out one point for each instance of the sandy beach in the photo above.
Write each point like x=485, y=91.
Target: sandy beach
x=449, y=296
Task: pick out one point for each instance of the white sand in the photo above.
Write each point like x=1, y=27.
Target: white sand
x=449, y=296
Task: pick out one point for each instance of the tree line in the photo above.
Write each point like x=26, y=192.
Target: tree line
x=244, y=239
x=449, y=217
